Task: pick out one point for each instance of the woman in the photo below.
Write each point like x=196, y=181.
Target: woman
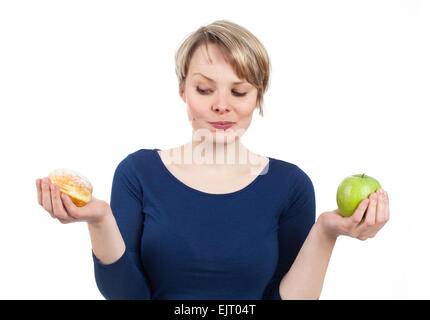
x=211, y=219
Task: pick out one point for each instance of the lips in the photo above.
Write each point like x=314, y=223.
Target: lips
x=222, y=124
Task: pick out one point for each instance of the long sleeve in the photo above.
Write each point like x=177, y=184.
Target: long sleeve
x=295, y=222
x=125, y=278
x=183, y=243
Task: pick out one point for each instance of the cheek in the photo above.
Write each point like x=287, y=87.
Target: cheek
x=194, y=111
x=246, y=106
x=246, y=110
x=190, y=113
x=197, y=106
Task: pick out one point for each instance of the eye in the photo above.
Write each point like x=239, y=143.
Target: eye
x=238, y=94
x=206, y=92
x=202, y=91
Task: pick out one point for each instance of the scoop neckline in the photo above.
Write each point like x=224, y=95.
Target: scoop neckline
x=206, y=194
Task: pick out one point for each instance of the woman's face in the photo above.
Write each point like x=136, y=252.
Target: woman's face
x=214, y=93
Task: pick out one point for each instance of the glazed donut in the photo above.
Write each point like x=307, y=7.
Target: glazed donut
x=72, y=183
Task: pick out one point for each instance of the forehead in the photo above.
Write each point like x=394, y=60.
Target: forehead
x=213, y=62
x=213, y=54
x=212, y=57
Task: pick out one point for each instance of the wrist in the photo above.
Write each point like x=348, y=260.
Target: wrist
x=105, y=219
x=323, y=232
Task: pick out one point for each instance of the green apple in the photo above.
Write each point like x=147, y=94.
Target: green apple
x=352, y=190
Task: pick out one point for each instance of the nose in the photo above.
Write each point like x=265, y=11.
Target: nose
x=221, y=102
x=218, y=108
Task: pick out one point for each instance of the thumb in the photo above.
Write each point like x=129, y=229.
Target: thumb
x=359, y=212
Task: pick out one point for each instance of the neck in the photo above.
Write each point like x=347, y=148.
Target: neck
x=220, y=158
x=212, y=154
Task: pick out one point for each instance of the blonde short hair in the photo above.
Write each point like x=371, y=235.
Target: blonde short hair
x=245, y=52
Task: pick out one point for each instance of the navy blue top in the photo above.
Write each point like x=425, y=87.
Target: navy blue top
x=182, y=243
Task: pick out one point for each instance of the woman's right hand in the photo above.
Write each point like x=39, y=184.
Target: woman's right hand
x=63, y=209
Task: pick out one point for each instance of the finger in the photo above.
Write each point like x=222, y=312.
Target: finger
x=369, y=220
x=367, y=231
x=65, y=221
x=71, y=208
x=380, y=208
x=46, y=195
x=57, y=205
x=387, y=206
x=39, y=191
x=358, y=214
x=367, y=226
x=39, y=194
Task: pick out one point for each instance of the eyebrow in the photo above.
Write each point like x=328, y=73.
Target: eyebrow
x=198, y=73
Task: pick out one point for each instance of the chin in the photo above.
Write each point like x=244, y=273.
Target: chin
x=210, y=134
x=226, y=137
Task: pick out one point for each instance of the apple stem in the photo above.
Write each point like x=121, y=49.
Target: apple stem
x=362, y=176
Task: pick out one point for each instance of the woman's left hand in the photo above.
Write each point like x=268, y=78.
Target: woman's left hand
x=363, y=224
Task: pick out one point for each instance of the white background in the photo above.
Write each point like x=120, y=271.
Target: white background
x=85, y=83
